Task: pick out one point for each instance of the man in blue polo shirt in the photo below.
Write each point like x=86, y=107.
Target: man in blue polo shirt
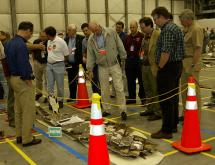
x=21, y=77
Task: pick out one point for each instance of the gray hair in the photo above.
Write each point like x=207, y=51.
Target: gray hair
x=72, y=26
x=187, y=14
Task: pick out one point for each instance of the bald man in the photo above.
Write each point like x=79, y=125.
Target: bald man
x=74, y=42
x=132, y=45
x=104, y=45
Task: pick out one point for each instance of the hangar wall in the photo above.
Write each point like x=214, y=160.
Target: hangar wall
x=60, y=13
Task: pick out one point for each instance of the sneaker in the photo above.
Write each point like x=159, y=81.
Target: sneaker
x=123, y=116
x=105, y=114
x=38, y=95
x=19, y=140
x=146, y=113
x=153, y=117
x=33, y=142
x=161, y=135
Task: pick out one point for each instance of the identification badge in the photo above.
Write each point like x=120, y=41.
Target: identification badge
x=132, y=48
x=43, y=54
x=103, y=51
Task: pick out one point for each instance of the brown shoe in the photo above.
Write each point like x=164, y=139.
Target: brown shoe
x=161, y=135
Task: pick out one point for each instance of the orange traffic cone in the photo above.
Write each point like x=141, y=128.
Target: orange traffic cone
x=191, y=138
x=83, y=99
x=98, y=152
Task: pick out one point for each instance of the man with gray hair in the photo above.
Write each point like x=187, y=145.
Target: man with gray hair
x=104, y=45
x=74, y=42
x=193, y=42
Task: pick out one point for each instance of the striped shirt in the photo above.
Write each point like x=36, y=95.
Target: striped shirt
x=170, y=41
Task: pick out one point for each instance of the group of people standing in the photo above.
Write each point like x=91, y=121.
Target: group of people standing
x=158, y=57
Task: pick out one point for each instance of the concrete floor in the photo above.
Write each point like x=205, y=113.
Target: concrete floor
x=54, y=151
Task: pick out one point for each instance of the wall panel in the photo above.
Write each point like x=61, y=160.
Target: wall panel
x=116, y=6
x=134, y=6
x=97, y=6
x=100, y=18
x=77, y=19
x=165, y=3
x=5, y=23
x=56, y=20
x=27, y=6
x=149, y=6
x=77, y=6
x=34, y=18
x=53, y=6
x=114, y=18
x=4, y=6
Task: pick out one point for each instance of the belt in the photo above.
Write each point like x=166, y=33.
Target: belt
x=55, y=62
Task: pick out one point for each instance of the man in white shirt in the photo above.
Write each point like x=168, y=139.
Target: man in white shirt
x=57, y=52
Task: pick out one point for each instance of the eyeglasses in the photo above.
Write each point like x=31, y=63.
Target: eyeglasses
x=155, y=17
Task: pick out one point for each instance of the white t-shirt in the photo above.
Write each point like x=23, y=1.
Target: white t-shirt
x=57, y=49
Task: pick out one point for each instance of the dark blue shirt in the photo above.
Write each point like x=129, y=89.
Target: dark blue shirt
x=18, y=58
x=170, y=41
x=122, y=36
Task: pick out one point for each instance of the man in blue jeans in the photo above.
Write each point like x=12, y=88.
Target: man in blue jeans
x=57, y=51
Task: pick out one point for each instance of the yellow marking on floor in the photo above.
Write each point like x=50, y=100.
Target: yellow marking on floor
x=210, y=139
x=170, y=153
x=167, y=140
x=3, y=114
x=131, y=114
x=78, y=109
x=209, y=110
x=14, y=139
x=145, y=132
x=207, y=154
x=31, y=162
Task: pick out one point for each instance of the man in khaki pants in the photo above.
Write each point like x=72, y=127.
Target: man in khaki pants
x=21, y=82
x=193, y=42
x=104, y=45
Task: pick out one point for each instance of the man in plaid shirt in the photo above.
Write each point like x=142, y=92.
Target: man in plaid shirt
x=169, y=55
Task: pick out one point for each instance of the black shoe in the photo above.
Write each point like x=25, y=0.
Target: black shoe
x=33, y=142
x=38, y=95
x=60, y=103
x=131, y=102
x=50, y=107
x=19, y=140
x=123, y=116
x=181, y=118
x=175, y=130
x=112, y=96
x=146, y=113
x=105, y=114
x=12, y=124
x=153, y=117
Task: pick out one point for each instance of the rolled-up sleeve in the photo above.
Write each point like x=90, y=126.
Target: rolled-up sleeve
x=168, y=40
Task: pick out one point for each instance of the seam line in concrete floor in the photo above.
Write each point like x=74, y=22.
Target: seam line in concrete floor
x=17, y=149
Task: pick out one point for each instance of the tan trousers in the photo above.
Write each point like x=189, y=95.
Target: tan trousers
x=116, y=73
x=25, y=109
x=186, y=72
x=40, y=73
